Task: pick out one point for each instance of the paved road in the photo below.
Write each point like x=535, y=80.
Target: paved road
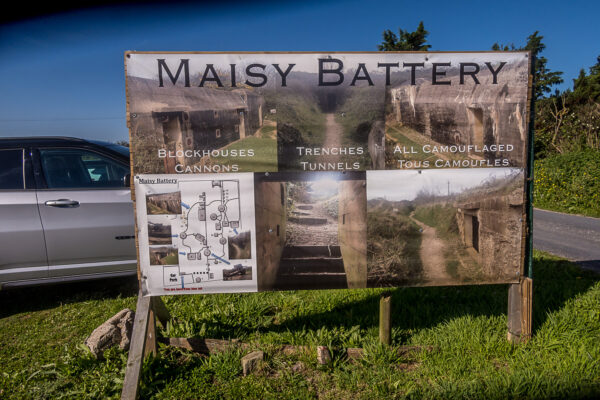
x=570, y=236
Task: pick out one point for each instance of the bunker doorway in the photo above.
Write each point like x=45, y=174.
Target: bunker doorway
x=476, y=122
x=173, y=136
x=475, y=235
x=242, y=128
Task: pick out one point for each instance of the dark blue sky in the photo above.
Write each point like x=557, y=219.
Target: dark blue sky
x=63, y=74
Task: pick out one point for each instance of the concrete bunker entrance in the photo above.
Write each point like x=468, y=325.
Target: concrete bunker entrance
x=242, y=124
x=475, y=234
x=471, y=230
x=476, y=121
x=329, y=100
x=172, y=128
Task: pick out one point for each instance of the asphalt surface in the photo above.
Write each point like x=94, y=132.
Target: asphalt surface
x=573, y=237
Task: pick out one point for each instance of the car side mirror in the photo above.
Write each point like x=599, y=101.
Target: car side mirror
x=127, y=180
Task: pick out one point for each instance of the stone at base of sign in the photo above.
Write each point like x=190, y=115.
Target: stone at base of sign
x=250, y=361
x=116, y=330
x=298, y=367
x=323, y=355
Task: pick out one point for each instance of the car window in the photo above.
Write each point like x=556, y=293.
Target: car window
x=11, y=169
x=78, y=168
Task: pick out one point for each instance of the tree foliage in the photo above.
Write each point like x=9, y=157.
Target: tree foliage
x=587, y=87
x=567, y=121
x=544, y=78
x=405, y=40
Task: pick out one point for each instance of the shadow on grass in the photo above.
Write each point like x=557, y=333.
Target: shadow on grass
x=555, y=282
x=28, y=299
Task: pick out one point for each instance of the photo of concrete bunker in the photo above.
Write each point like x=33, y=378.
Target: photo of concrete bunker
x=311, y=230
x=239, y=272
x=477, y=120
x=164, y=255
x=178, y=129
x=444, y=227
x=163, y=203
x=159, y=230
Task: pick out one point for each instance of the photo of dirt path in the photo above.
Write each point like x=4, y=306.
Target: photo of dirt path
x=444, y=227
x=333, y=136
x=431, y=253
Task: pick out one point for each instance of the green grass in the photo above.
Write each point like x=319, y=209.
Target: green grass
x=41, y=331
x=265, y=152
x=569, y=183
x=171, y=259
x=362, y=105
x=441, y=217
x=397, y=133
x=300, y=110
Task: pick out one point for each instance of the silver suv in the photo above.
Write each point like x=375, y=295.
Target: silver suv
x=65, y=211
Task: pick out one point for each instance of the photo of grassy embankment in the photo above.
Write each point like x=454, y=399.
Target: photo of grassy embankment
x=390, y=261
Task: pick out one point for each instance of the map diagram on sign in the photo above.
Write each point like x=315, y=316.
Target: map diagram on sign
x=198, y=233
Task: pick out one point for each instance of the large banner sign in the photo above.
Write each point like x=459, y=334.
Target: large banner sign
x=277, y=171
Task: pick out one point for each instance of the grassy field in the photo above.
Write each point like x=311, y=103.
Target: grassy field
x=441, y=217
x=264, y=144
x=41, y=331
x=569, y=183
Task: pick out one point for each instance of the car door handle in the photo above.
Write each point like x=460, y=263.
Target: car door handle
x=62, y=203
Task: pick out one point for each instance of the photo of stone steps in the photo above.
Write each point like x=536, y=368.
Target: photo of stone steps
x=303, y=266
x=312, y=236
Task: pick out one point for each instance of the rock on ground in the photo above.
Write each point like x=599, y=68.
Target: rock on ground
x=116, y=330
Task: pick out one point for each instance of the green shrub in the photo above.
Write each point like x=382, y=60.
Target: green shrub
x=569, y=183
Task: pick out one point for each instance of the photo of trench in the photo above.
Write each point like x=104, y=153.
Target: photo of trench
x=444, y=227
x=311, y=230
x=341, y=127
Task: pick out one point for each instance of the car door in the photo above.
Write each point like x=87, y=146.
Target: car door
x=22, y=246
x=86, y=211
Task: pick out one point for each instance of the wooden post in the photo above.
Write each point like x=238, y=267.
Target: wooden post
x=136, y=348
x=385, y=318
x=151, y=343
x=519, y=310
